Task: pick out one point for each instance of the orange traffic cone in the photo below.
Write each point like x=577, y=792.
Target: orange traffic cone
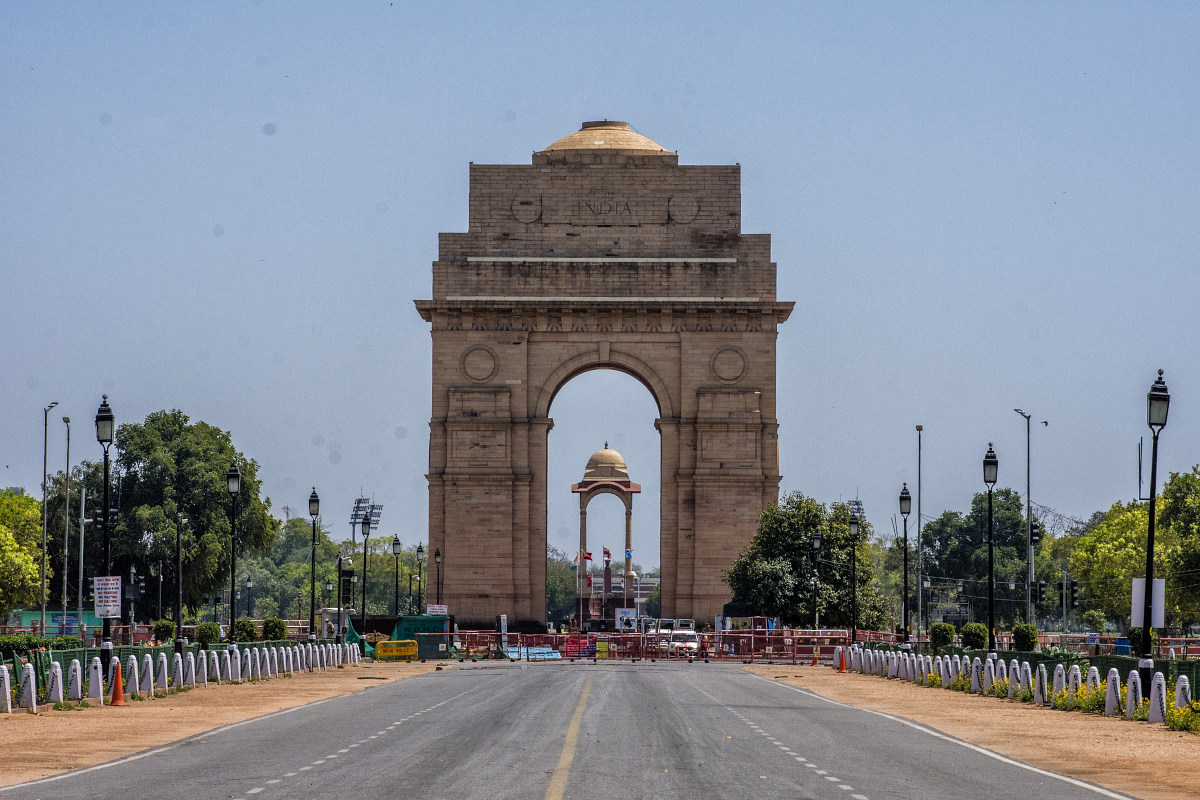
x=118, y=688
x=842, y=661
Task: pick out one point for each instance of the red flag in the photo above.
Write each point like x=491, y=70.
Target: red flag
x=587, y=556
x=607, y=553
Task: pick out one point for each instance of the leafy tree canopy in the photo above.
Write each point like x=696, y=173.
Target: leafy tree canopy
x=20, y=551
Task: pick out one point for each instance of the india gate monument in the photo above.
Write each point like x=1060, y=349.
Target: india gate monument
x=603, y=253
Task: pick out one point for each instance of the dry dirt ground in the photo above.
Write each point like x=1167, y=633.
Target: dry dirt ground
x=1133, y=757
x=1137, y=758
x=49, y=742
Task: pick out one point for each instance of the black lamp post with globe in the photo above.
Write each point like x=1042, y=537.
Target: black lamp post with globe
x=1158, y=403
x=105, y=422
x=991, y=467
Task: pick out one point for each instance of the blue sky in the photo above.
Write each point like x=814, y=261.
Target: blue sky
x=228, y=208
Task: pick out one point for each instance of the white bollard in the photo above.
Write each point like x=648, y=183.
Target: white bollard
x=5, y=691
x=1133, y=693
x=75, y=681
x=1112, y=694
x=989, y=674
x=226, y=666
x=146, y=689
x=275, y=661
x=130, y=675
x=96, y=680
x=189, y=673
x=1040, y=686
x=109, y=669
x=1158, y=698
x=235, y=663
x=29, y=689
x=1171, y=653
x=1060, y=678
x=1093, y=679
x=114, y=665
x=976, y=678
x=1074, y=680
x=214, y=666
x=1183, y=692
x=247, y=665
x=55, y=694
x=176, y=669
x=1026, y=677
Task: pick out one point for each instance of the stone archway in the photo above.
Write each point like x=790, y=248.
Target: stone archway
x=604, y=253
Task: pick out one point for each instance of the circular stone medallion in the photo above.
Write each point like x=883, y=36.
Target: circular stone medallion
x=683, y=209
x=527, y=209
x=728, y=364
x=479, y=363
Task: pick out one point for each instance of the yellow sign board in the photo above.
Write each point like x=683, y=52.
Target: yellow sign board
x=404, y=650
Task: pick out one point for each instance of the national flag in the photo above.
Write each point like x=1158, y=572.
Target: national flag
x=607, y=554
x=575, y=563
x=587, y=556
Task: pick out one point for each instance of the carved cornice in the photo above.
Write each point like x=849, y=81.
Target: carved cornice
x=608, y=315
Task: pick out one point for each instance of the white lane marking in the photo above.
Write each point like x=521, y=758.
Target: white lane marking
x=831, y=778
x=847, y=788
x=289, y=774
x=939, y=735
x=859, y=796
x=305, y=769
x=332, y=756
x=344, y=750
x=318, y=761
x=822, y=771
x=255, y=790
x=275, y=780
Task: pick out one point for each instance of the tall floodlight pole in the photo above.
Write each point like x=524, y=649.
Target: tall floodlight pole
x=905, y=510
x=45, y=466
x=1158, y=402
x=233, y=482
x=362, y=616
x=66, y=530
x=920, y=552
x=990, y=467
x=105, y=422
x=314, y=508
x=1029, y=523
x=853, y=577
x=180, y=521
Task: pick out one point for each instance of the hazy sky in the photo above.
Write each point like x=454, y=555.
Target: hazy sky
x=229, y=208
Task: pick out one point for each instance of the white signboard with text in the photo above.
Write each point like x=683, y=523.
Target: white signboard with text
x=108, y=596
x=435, y=610
x=627, y=620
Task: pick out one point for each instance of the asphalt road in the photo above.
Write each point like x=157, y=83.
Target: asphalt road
x=569, y=730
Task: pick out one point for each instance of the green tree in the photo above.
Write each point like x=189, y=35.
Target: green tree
x=1180, y=514
x=773, y=574
x=654, y=601
x=20, y=551
x=561, y=594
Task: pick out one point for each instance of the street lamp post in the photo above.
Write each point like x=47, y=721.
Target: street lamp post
x=66, y=530
x=249, y=596
x=45, y=466
x=180, y=521
x=991, y=466
x=905, y=510
x=437, y=559
x=816, y=551
x=853, y=577
x=1158, y=402
x=397, y=548
x=328, y=592
x=362, y=616
x=105, y=422
x=420, y=564
x=920, y=552
x=314, y=508
x=233, y=481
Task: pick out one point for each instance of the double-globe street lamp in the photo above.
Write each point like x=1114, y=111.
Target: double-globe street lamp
x=905, y=510
x=233, y=482
x=1158, y=402
x=420, y=565
x=397, y=548
x=991, y=466
x=105, y=422
x=314, y=508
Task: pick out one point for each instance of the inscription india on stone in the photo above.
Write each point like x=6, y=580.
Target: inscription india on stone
x=603, y=253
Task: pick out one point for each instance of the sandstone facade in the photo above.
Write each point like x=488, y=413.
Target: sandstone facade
x=604, y=253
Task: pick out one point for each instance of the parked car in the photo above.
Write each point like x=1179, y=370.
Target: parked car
x=683, y=644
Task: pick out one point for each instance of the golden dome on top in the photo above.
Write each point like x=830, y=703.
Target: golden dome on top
x=607, y=135
x=606, y=464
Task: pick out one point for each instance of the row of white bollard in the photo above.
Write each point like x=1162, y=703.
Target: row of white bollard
x=254, y=663
x=984, y=674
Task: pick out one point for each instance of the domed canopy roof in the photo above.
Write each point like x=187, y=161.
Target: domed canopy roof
x=607, y=135
x=606, y=464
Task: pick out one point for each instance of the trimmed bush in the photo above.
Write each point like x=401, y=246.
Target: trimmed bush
x=941, y=634
x=164, y=631
x=244, y=630
x=974, y=635
x=1025, y=636
x=274, y=629
x=208, y=633
x=1135, y=641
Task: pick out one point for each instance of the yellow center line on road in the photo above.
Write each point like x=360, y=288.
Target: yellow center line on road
x=558, y=782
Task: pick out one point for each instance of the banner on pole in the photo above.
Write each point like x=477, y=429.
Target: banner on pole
x=1157, y=602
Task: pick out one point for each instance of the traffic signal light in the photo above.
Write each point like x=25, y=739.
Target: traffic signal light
x=1074, y=593
x=1062, y=596
x=1041, y=591
x=1035, y=533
